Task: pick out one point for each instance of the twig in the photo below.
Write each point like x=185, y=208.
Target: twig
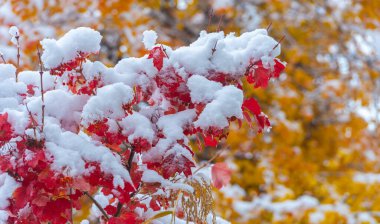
x=97, y=205
x=18, y=54
x=129, y=167
x=33, y=121
x=42, y=88
x=282, y=38
x=220, y=23
x=269, y=26
x=209, y=161
x=210, y=15
x=164, y=50
x=2, y=57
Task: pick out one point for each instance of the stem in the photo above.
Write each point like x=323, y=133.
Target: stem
x=2, y=58
x=209, y=161
x=42, y=88
x=278, y=43
x=131, y=159
x=210, y=15
x=18, y=56
x=220, y=23
x=71, y=205
x=129, y=167
x=269, y=26
x=97, y=205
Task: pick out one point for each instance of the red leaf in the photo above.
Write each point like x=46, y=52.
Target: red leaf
x=278, y=68
x=158, y=57
x=252, y=105
x=260, y=76
x=221, y=175
x=110, y=209
x=262, y=121
x=210, y=140
x=176, y=163
x=5, y=129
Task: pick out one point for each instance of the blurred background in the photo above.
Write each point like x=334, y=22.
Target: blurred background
x=320, y=163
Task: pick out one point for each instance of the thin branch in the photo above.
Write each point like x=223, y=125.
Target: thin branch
x=210, y=15
x=220, y=23
x=209, y=161
x=97, y=205
x=282, y=38
x=2, y=57
x=129, y=167
x=269, y=26
x=42, y=88
x=18, y=55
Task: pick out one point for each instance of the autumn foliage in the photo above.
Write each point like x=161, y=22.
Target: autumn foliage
x=120, y=136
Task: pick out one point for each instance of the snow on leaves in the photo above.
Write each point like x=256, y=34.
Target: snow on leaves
x=122, y=132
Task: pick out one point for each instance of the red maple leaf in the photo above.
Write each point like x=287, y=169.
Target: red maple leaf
x=5, y=129
x=158, y=54
x=252, y=105
x=221, y=175
x=260, y=76
x=278, y=68
x=174, y=163
x=210, y=140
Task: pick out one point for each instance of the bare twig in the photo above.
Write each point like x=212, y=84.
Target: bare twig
x=42, y=88
x=164, y=50
x=2, y=57
x=129, y=167
x=210, y=15
x=33, y=121
x=269, y=26
x=18, y=55
x=97, y=205
x=220, y=23
x=282, y=38
x=209, y=161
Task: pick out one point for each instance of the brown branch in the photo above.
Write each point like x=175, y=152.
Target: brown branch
x=269, y=26
x=42, y=88
x=210, y=15
x=220, y=23
x=18, y=55
x=282, y=38
x=97, y=205
x=129, y=167
x=2, y=57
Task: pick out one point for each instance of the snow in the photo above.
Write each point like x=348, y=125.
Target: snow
x=137, y=126
x=149, y=39
x=67, y=48
x=172, y=125
x=366, y=178
x=7, y=186
x=73, y=150
x=7, y=71
x=15, y=33
x=108, y=102
x=226, y=104
x=202, y=90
